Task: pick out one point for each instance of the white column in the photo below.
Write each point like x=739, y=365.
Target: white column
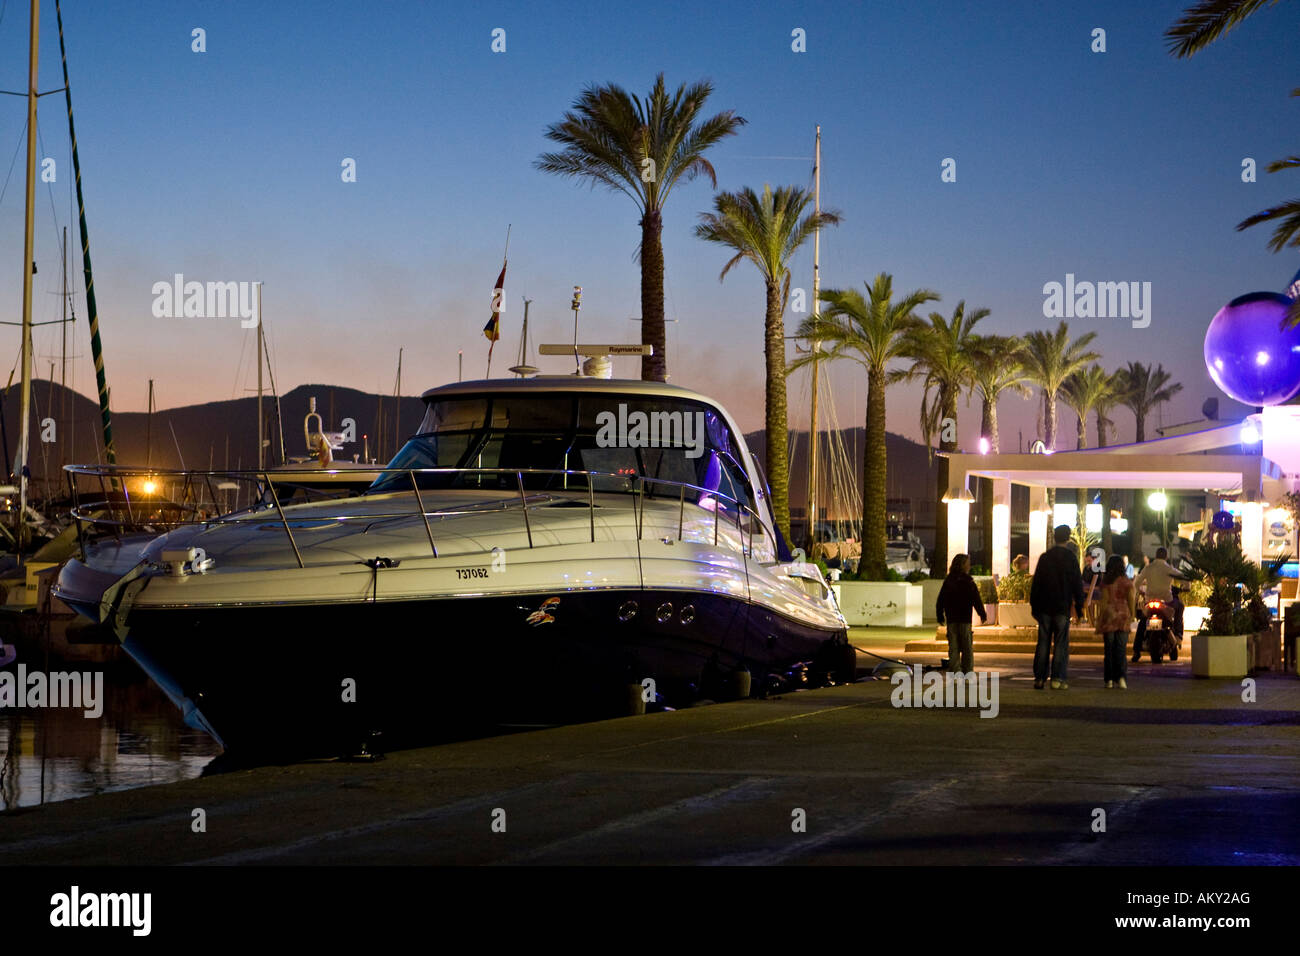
x=1252, y=531
x=1000, y=533
x=958, y=528
x=1038, y=515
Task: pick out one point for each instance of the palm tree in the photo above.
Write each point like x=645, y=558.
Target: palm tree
x=767, y=230
x=1105, y=402
x=871, y=331
x=1103, y=406
x=1050, y=359
x=1143, y=390
x=641, y=148
x=1200, y=26
x=998, y=368
x=1084, y=391
x=941, y=354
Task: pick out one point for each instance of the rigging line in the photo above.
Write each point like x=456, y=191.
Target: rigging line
x=48, y=188
x=239, y=366
x=21, y=136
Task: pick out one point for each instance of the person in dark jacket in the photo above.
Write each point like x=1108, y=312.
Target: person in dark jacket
x=1057, y=584
x=958, y=599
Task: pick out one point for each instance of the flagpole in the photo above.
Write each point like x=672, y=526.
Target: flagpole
x=498, y=303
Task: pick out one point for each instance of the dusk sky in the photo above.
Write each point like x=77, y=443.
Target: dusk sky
x=225, y=166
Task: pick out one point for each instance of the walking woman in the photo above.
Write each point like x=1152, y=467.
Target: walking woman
x=958, y=601
x=1116, y=609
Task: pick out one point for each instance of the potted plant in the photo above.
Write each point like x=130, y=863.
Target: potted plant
x=1225, y=645
x=989, y=595
x=1013, y=600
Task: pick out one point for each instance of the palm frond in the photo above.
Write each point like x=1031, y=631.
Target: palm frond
x=1205, y=22
x=1287, y=232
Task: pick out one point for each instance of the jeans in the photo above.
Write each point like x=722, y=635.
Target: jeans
x=1053, y=640
x=1116, y=663
x=961, y=644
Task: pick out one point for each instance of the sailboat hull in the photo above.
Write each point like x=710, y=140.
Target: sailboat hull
x=315, y=679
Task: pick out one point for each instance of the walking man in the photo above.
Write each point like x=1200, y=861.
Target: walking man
x=1057, y=584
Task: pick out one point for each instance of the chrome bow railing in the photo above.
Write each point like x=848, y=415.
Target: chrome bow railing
x=138, y=507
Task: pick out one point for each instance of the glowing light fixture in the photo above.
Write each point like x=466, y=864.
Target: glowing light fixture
x=1092, y=518
x=1158, y=501
x=150, y=486
x=1249, y=433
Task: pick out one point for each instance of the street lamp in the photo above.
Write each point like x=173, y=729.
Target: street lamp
x=1158, y=502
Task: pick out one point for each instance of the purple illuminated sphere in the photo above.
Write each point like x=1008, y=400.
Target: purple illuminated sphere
x=1248, y=352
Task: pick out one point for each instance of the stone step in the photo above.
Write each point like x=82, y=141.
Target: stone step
x=996, y=639
x=996, y=646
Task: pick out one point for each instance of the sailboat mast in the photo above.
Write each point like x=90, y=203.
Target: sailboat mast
x=816, y=347
x=92, y=310
x=63, y=371
x=26, y=400
x=148, y=429
x=397, y=401
x=261, y=455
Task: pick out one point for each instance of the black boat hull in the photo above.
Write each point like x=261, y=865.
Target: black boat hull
x=293, y=679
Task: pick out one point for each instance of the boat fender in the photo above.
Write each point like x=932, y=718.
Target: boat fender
x=741, y=683
x=115, y=605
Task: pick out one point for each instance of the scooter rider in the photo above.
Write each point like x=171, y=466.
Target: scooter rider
x=1158, y=577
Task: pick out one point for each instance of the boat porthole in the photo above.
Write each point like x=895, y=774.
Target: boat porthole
x=627, y=610
x=687, y=614
x=665, y=613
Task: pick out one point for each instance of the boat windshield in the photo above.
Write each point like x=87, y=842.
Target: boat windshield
x=623, y=437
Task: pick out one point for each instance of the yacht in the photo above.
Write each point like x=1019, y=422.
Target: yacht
x=551, y=548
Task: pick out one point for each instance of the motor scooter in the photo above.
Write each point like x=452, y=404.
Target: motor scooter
x=1164, y=631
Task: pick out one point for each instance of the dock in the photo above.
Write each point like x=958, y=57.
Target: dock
x=1183, y=772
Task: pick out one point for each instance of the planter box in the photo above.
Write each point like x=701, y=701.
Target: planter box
x=1221, y=655
x=929, y=594
x=1015, y=614
x=879, y=603
x=1266, y=648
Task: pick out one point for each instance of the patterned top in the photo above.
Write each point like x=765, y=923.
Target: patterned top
x=1115, y=606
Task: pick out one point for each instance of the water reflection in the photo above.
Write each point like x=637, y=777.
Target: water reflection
x=57, y=753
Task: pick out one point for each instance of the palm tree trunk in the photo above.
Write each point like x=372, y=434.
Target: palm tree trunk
x=1081, y=494
x=873, y=479
x=1141, y=419
x=1049, y=437
x=654, y=368
x=940, y=557
x=1107, y=536
x=989, y=429
x=778, y=426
